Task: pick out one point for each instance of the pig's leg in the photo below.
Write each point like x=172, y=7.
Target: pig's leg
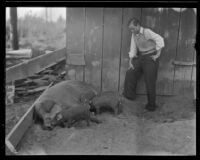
x=69, y=123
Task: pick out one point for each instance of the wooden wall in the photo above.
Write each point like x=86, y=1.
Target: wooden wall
x=101, y=35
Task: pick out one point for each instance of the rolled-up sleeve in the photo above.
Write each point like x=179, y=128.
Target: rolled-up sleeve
x=133, y=48
x=156, y=37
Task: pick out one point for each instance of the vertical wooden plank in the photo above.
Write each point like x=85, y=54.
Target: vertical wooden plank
x=111, y=48
x=75, y=40
x=169, y=25
x=79, y=73
x=93, y=46
x=193, y=82
x=185, y=51
x=187, y=35
x=120, y=51
x=193, y=78
x=150, y=18
x=128, y=13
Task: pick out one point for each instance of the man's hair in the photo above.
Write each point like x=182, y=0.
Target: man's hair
x=135, y=21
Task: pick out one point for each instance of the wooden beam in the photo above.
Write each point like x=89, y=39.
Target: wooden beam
x=13, y=22
x=21, y=53
x=35, y=65
x=13, y=138
x=183, y=63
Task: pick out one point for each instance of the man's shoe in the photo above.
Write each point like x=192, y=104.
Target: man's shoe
x=151, y=107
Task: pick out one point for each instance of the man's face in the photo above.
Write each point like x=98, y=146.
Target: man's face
x=134, y=29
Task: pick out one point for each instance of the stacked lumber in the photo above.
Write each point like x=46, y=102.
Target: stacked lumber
x=34, y=75
x=19, y=54
x=14, y=57
x=39, y=81
x=35, y=65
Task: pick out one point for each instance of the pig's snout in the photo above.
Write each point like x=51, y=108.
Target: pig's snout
x=47, y=127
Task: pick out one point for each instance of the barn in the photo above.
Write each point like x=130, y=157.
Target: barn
x=99, y=39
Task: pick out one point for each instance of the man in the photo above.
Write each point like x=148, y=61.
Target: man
x=144, y=56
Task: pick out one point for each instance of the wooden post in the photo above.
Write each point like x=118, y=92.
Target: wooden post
x=66, y=65
x=13, y=22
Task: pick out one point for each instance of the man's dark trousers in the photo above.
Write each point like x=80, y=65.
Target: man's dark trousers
x=146, y=65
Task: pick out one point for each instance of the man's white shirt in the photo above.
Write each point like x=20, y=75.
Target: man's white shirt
x=148, y=34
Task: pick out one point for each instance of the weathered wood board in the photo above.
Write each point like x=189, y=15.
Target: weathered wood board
x=75, y=36
x=128, y=13
x=169, y=24
x=111, y=48
x=193, y=78
x=194, y=67
x=102, y=35
x=193, y=82
x=34, y=65
x=185, y=51
x=93, y=46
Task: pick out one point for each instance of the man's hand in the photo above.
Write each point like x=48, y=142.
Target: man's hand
x=130, y=64
x=154, y=57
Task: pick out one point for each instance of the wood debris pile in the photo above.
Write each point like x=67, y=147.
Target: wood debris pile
x=39, y=81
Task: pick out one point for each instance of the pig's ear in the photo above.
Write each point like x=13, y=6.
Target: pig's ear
x=59, y=117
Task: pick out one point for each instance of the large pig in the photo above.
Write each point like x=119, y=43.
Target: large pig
x=74, y=114
x=44, y=112
x=67, y=94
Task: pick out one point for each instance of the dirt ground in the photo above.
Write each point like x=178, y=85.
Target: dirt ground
x=170, y=130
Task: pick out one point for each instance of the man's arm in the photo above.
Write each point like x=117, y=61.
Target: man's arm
x=132, y=52
x=133, y=48
x=157, y=39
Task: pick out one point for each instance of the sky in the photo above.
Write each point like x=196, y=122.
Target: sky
x=54, y=12
x=39, y=11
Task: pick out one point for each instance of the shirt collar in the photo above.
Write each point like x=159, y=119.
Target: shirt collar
x=141, y=31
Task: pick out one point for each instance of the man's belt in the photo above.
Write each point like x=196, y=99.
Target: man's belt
x=147, y=52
